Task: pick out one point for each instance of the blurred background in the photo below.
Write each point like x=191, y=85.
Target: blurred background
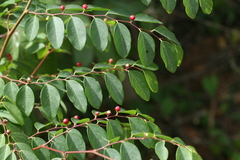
x=200, y=102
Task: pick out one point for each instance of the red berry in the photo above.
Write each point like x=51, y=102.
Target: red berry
x=97, y=113
x=108, y=113
x=84, y=6
x=76, y=117
x=62, y=7
x=65, y=121
x=78, y=64
x=5, y=121
x=9, y=56
x=117, y=108
x=132, y=17
x=110, y=60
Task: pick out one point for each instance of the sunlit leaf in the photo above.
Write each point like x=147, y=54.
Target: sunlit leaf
x=10, y=90
x=206, y=5
x=169, y=5
x=191, y=7
x=14, y=111
x=31, y=27
x=151, y=80
x=5, y=151
x=1, y=86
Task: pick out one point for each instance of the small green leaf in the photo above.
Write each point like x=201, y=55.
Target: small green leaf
x=139, y=84
x=25, y=100
x=183, y=153
x=23, y=146
x=10, y=90
x=146, y=18
x=191, y=7
x=146, y=2
x=179, y=52
x=76, y=32
x=41, y=153
x=206, y=5
x=114, y=87
x=99, y=34
x=76, y=142
x=169, y=56
x=152, y=67
x=59, y=143
x=112, y=153
x=31, y=28
x=50, y=99
x=28, y=155
x=119, y=11
x=2, y=140
x=114, y=129
x=11, y=156
x=97, y=136
x=122, y=62
x=5, y=151
x=163, y=137
x=178, y=141
x=161, y=150
x=39, y=126
x=76, y=95
x=129, y=151
x=20, y=137
x=7, y=115
x=55, y=32
x=146, y=48
x=169, y=5
x=167, y=33
x=151, y=81
x=102, y=66
x=93, y=91
x=14, y=111
x=1, y=86
x=122, y=39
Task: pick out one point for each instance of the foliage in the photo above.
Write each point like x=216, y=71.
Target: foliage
x=36, y=92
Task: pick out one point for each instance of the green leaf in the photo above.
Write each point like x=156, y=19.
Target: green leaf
x=25, y=100
x=169, y=5
x=114, y=129
x=59, y=143
x=31, y=27
x=20, y=137
x=163, y=137
x=112, y=153
x=7, y=115
x=114, y=87
x=102, y=66
x=93, y=91
x=76, y=32
x=119, y=11
x=129, y=151
x=39, y=126
x=122, y=62
x=2, y=140
x=11, y=156
x=152, y=67
x=178, y=141
x=187, y=153
x=5, y=151
x=41, y=153
x=50, y=99
x=10, y=90
x=161, y=150
x=139, y=84
x=99, y=34
x=122, y=39
x=167, y=33
x=206, y=5
x=27, y=155
x=146, y=2
x=146, y=18
x=23, y=146
x=138, y=125
x=151, y=81
x=76, y=95
x=169, y=56
x=179, y=52
x=76, y=142
x=191, y=7
x=146, y=48
x=1, y=86
x=97, y=136
x=14, y=111
x=55, y=32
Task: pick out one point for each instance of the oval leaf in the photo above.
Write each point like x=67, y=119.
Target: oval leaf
x=1, y=86
x=129, y=151
x=122, y=39
x=76, y=32
x=114, y=87
x=161, y=150
x=139, y=84
x=99, y=34
x=76, y=95
x=28, y=155
x=25, y=100
x=10, y=90
x=55, y=32
x=14, y=111
x=191, y=7
x=169, y=5
x=50, y=100
x=5, y=151
x=97, y=136
x=41, y=153
x=93, y=92
x=146, y=18
x=112, y=153
x=169, y=56
x=206, y=5
x=31, y=28
x=146, y=48
x=146, y=2
x=151, y=81
x=167, y=33
x=12, y=156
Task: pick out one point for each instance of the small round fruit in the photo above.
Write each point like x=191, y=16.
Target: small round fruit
x=132, y=17
x=5, y=121
x=84, y=6
x=110, y=60
x=65, y=121
x=62, y=7
x=9, y=56
x=8, y=131
x=78, y=64
x=117, y=108
x=97, y=113
x=127, y=66
x=108, y=113
x=76, y=117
